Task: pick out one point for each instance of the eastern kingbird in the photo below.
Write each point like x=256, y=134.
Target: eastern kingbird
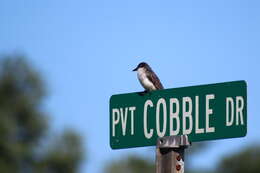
x=147, y=77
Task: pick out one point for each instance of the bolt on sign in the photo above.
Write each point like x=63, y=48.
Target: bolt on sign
x=204, y=112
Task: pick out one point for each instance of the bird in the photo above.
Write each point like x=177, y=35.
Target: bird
x=147, y=77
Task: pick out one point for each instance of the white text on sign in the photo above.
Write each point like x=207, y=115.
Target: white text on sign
x=182, y=116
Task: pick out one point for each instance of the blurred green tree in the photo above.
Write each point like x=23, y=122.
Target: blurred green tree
x=248, y=160
x=136, y=164
x=24, y=125
x=63, y=154
x=131, y=164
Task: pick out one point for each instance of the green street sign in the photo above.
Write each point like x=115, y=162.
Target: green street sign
x=204, y=112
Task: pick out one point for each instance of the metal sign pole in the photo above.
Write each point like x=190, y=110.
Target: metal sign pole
x=170, y=154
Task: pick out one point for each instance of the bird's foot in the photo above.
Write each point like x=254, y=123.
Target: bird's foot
x=143, y=93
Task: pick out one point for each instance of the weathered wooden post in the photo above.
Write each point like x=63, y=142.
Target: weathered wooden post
x=170, y=154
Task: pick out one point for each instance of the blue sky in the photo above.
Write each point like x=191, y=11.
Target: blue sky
x=87, y=49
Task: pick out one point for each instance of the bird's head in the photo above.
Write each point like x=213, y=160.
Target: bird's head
x=141, y=65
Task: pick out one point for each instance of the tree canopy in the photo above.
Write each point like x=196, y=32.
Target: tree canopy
x=247, y=160
x=24, y=124
x=131, y=164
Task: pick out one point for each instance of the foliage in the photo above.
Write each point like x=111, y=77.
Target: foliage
x=136, y=164
x=63, y=155
x=23, y=124
x=247, y=160
x=131, y=164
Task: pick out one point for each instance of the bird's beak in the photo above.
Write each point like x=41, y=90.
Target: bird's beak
x=135, y=69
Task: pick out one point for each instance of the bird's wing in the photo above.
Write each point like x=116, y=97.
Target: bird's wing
x=155, y=80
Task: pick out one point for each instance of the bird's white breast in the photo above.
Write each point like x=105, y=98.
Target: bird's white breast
x=146, y=83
